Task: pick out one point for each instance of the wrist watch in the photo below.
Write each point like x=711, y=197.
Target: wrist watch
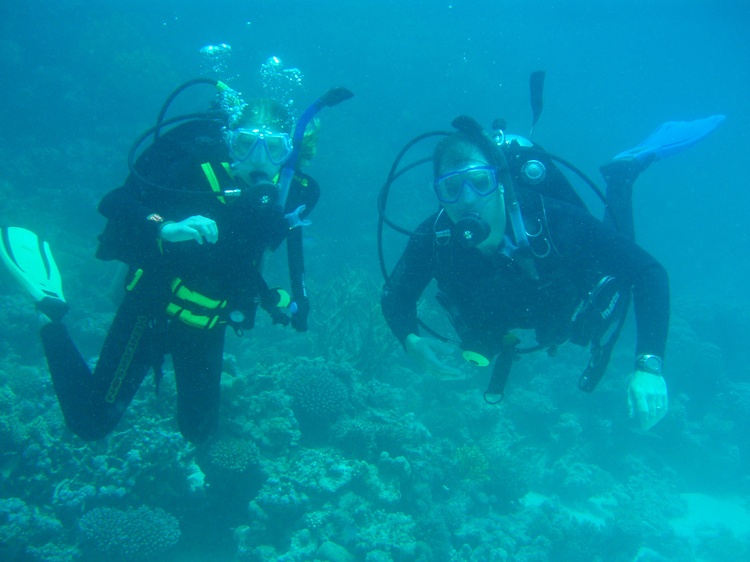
x=649, y=363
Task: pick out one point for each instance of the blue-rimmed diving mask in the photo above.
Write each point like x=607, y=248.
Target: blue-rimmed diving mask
x=481, y=179
x=259, y=146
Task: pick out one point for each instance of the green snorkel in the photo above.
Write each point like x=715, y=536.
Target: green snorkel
x=332, y=97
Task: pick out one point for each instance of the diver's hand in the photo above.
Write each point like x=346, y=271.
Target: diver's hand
x=647, y=398
x=424, y=351
x=196, y=228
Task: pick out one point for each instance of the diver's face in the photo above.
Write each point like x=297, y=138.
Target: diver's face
x=470, y=188
x=258, y=150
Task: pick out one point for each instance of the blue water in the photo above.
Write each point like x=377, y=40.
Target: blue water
x=410, y=468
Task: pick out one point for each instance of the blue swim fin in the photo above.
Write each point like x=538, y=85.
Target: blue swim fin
x=29, y=259
x=670, y=138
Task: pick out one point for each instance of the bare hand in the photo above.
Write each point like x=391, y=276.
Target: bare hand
x=425, y=350
x=196, y=228
x=647, y=398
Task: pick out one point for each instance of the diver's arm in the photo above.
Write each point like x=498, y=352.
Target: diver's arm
x=579, y=236
x=618, y=256
x=611, y=253
x=407, y=281
x=399, y=305
x=122, y=206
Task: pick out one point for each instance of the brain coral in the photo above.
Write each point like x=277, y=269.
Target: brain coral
x=318, y=395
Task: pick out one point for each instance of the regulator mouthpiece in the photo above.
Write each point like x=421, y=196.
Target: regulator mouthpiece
x=471, y=230
x=263, y=192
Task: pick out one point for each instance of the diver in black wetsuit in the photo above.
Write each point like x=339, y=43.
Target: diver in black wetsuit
x=194, y=222
x=506, y=258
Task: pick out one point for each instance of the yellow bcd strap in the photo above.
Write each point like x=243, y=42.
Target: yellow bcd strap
x=185, y=295
x=194, y=320
x=136, y=277
x=213, y=181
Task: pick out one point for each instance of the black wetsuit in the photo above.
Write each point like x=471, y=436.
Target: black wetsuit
x=142, y=331
x=488, y=295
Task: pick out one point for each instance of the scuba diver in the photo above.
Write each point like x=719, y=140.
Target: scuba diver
x=204, y=205
x=512, y=246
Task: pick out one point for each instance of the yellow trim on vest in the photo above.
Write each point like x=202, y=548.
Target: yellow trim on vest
x=194, y=320
x=188, y=297
x=213, y=181
x=181, y=292
x=136, y=278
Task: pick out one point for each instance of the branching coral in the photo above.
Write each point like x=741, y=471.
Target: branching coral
x=22, y=525
x=472, y=464
x=350, y=325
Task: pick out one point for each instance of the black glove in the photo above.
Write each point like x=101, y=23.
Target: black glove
x=273, y=301
x=278, y=317
x=299, y=316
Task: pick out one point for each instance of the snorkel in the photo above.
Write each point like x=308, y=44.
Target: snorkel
x=473, y=130
x=332, y=97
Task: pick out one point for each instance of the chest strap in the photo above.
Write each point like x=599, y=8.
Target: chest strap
x=213, y=180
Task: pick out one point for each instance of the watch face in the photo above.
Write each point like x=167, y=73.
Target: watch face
x=651, y=363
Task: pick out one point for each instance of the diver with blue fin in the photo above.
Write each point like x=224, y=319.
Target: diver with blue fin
x=205, y=203
x=513, y=246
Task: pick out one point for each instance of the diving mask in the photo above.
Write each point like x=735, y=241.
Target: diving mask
x=482, y=179
x=254, y=144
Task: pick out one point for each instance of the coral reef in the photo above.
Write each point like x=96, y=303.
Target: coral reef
x=332, y=447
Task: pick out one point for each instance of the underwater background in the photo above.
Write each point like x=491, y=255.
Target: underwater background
x=332, y=445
